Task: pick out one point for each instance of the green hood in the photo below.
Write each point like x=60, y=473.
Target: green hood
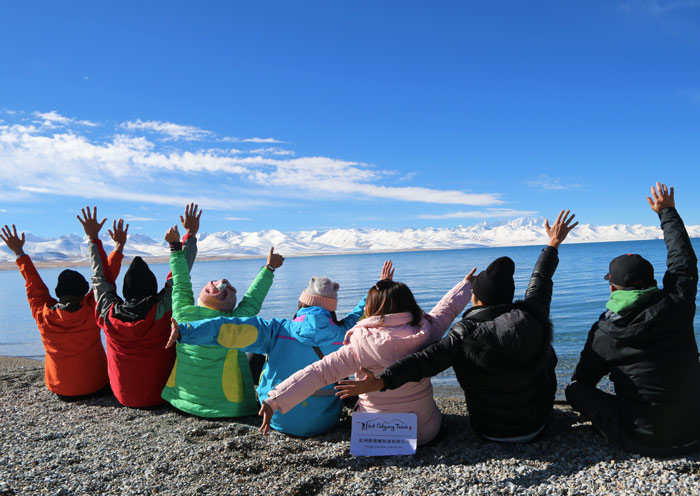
x=623, y=301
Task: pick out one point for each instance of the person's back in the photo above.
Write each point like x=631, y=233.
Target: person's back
x=507, y=365
x=75, y=364
x=376, y=342
x=136, y=328
x=501, y=350
x=294, y=348
x=212, y=381
x=646, y=342
x=290, y=345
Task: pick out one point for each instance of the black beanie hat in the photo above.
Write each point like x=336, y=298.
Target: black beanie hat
x=71, y=283
x=495, y=285
x=139, y=281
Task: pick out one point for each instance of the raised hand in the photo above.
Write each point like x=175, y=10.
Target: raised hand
x=347, y=388
x=274, y=260
x=173, y=235
x=191, y=219
x=387, y=271
x=470, y=277
x=90, y=224
x=662, y=197
x=118, y=234
x=266, y=413
x=174, y=333
x=558, y=231
x=13, y=242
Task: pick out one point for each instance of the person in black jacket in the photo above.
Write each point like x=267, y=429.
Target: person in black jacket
x=645, y=341
x=501, y=350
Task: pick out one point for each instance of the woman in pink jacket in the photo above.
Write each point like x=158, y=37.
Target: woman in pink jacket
x=395, y=327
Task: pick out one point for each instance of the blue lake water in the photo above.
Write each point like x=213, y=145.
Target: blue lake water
x=580, y=292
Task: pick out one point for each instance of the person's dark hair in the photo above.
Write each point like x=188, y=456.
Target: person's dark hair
x=388, y=296
x=333, y=315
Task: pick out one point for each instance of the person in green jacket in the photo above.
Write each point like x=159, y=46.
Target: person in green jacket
x=211, y=381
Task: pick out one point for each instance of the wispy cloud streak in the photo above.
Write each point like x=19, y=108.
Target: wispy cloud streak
x=491, y=213
x=551, y=183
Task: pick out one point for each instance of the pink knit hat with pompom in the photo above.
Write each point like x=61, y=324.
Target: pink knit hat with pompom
x=218, y=295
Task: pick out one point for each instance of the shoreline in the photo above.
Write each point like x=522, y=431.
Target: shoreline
x=218, y=258
x=97, y=446
x=8, y=362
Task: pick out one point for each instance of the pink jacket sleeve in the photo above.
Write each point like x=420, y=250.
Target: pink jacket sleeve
x=447, y=309
x=313, y=377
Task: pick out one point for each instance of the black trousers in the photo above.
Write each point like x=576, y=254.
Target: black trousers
x=603, y=410
x=256, y=362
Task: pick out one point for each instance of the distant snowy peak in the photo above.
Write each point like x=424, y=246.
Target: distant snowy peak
x=516, y=232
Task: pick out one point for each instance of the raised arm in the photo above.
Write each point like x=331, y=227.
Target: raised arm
x=252, y=302
x=191, y=224
x=539, y=289
x=118, y=233
x=354, y=316
x=450, y=305
x=102, y=281
x=681, y=278
x=183, y=304
x=38, y=294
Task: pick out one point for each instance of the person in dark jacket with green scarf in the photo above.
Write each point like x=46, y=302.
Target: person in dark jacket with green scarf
x=645, y=341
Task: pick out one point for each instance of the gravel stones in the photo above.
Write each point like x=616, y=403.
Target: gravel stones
x=97, y=446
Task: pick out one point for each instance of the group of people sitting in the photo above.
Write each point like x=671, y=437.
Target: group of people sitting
x=204, y=356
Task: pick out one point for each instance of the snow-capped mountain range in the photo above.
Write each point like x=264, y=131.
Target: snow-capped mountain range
x=231, y=244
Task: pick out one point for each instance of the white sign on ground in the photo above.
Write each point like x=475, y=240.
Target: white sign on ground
x=382, y=434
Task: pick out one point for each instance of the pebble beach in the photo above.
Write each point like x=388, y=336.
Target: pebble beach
x=96, y=446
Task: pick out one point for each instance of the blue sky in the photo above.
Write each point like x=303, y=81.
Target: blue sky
x=312, y=115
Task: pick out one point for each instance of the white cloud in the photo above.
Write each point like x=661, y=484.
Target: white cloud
x=408, y=177
x=234, y=139
x=54, y=119
x=237, y=218
x=272, y=151
x=99, y=191
x=658, y=7
x=135, y=168
x=489, y=213
x=133, y=218
x=168, y=129
x=261, y=140
x=551, y=183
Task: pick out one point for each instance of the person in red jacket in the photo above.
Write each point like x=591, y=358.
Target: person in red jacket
x=136, y=327
x=74, y=365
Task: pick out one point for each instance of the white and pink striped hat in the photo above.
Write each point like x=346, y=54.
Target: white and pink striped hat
x=322, y=292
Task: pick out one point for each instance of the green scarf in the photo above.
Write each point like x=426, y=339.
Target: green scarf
x=623, y=301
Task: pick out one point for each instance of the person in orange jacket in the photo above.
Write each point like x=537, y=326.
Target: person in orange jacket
x=75, y=365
